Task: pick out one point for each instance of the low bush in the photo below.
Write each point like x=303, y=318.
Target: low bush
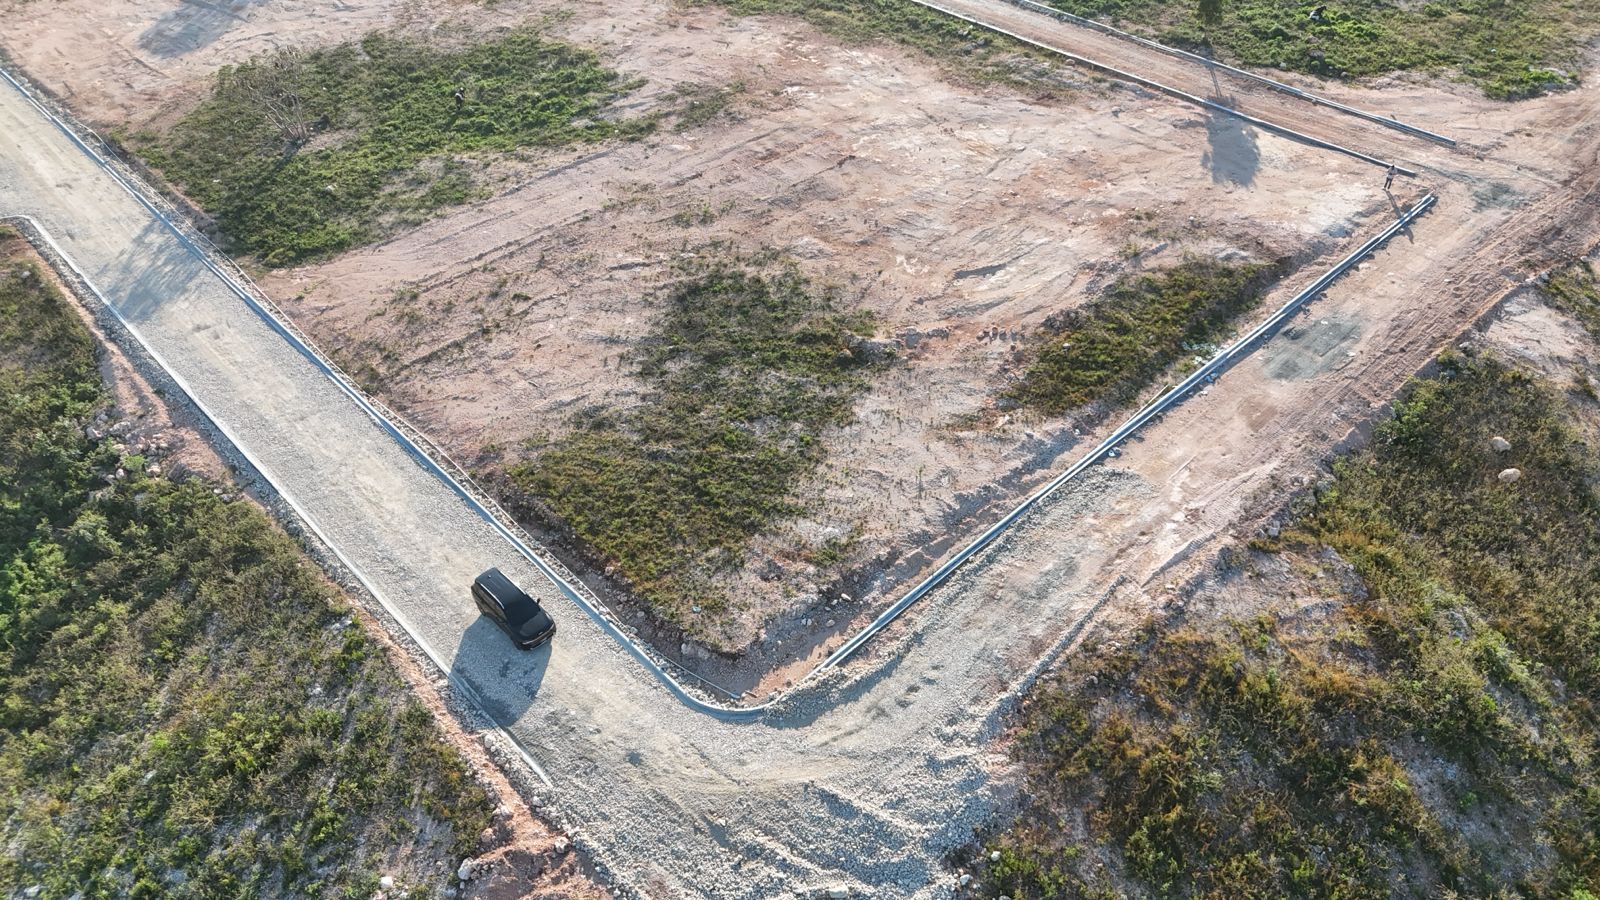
x=1111, y=349
x=973, y=52
x=1575, y=290
x=303, y=154
x=748, y=370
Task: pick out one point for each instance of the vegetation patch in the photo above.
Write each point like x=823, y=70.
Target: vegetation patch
x=973, y=52
x=750, y=366
x=186, y=709
x=1509, y=48
x=1431, y=733
x=1576, y=292
x=1111, y=349
x=300, y=155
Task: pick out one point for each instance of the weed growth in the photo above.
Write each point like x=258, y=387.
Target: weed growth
x=300, y=155
x=1111, y=349
x=186, y=710
x=1509, y=48
x=748, y=369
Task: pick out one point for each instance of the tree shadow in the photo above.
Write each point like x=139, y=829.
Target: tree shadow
x=150, y=271
x=193, y=25
x=503, y=679
x=1232, y=154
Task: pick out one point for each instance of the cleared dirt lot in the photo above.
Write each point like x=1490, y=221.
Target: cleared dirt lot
x=961, y=216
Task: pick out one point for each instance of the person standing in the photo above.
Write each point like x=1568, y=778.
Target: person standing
x=1388, y=180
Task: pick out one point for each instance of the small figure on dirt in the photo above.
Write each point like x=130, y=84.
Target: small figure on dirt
x=460, y=98
x=1316, y=14
x=1388, y=180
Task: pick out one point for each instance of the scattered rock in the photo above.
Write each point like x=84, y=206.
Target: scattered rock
x=838, y=892
x=994, y=856
x=1509, y=476
x=386, y=882
x=965, y=879
x=467, y=869
x=1499, y=444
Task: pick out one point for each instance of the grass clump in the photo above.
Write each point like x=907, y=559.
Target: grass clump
x=1508, y=48
x=186, y=709
x=1575, y=291
x=1434, y=733
x=749, y=367
x=1109, y=350
x=300, y=155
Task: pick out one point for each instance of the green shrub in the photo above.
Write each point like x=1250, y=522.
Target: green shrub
x=300, y=155
x=1111, y=349
x=747, y=370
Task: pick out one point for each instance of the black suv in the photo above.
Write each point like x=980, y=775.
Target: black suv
x=510, y=607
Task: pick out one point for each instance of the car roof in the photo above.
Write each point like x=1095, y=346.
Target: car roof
x=515, y=601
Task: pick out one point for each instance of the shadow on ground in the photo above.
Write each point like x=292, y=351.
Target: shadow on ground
x=193, y=25
x=505, y=678
x=1232, y=153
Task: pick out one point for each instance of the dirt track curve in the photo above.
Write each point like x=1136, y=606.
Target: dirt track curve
x=866, y=780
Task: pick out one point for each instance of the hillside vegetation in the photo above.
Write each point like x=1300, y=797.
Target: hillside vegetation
x=186, y=708
x=749, y=367
x=1509, y=48
x=1430, y=730
x=302, y=154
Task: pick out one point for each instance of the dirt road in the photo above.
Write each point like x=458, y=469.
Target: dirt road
x=865, y=782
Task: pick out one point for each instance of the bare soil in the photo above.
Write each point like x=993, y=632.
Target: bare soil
x=961, y=215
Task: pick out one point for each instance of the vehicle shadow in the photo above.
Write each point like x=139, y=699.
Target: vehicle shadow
x=503, y=678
